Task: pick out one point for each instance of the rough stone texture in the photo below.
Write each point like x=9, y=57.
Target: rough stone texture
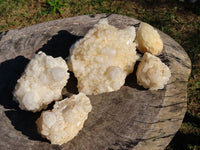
x=131, y=118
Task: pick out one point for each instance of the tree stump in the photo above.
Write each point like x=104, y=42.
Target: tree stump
x=131, y=118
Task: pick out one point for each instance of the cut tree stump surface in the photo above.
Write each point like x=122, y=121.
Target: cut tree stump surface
x=130, y=118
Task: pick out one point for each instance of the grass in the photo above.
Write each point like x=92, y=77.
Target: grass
x=179, y=20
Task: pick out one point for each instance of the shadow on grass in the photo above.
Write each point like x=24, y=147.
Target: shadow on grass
x=191, y=43
x=181, y=141
x=192, y=119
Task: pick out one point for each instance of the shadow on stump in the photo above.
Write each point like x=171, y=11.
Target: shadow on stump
x=60, y=44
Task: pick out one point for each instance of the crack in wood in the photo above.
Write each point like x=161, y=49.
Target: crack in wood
x=174, y=104
x=160, y=121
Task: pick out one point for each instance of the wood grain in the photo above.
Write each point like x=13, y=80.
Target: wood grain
x=131, y=118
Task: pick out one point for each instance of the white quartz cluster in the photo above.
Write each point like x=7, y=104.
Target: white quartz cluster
x=41, y=82
x=103, y=58
x=65, y=120
x=152, y=73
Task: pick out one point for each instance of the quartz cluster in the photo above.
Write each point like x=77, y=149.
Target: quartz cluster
x=103, y=58
x=65, y=120
x=41, y=83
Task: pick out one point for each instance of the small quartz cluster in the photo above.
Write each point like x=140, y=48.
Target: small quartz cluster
x=148, y=39
x=152, y=73
x=103, y=58
x=65, y=120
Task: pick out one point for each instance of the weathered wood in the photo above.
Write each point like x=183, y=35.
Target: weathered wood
x=131, y=118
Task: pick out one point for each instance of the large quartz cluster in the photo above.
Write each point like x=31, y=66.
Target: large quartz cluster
x=103, y=58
